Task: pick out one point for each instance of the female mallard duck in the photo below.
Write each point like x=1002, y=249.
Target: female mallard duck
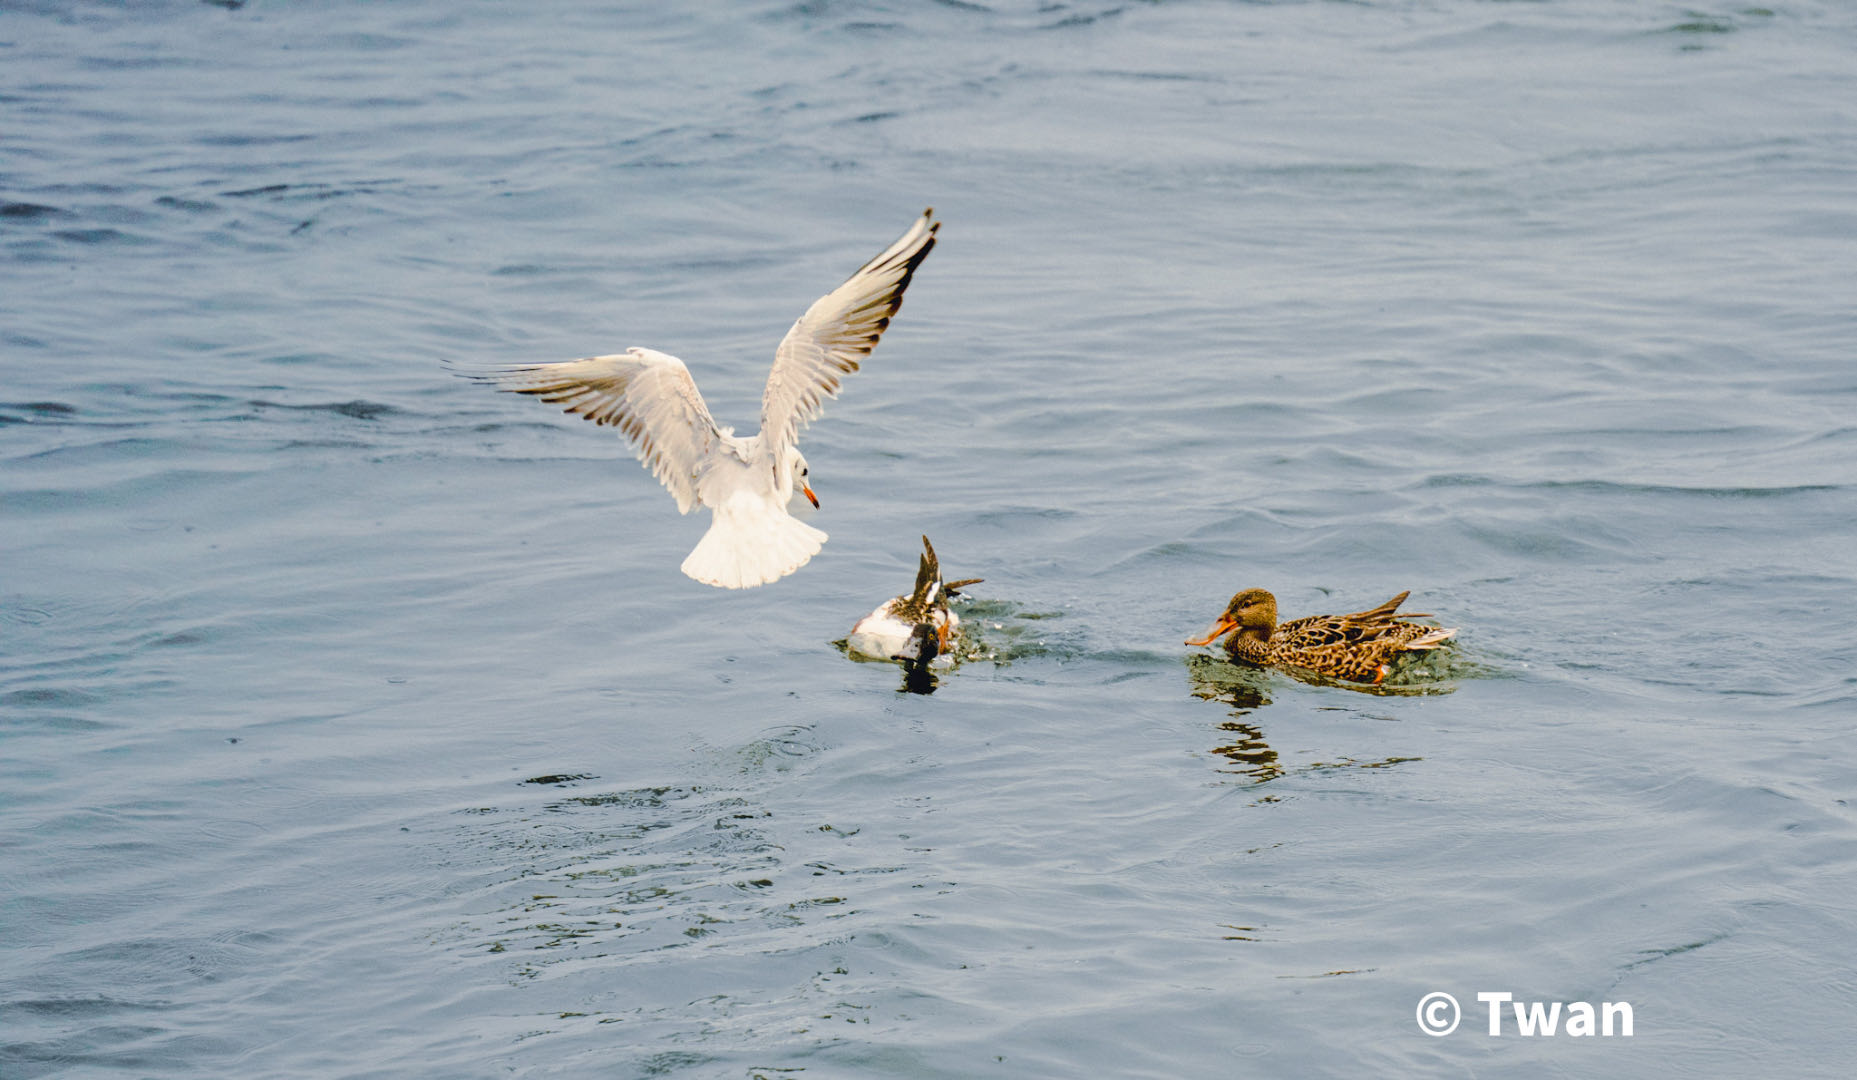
x=915, y=628
x=1358, y=647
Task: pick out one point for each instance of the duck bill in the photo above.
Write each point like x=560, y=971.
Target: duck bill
x=810, y=497
x=1219, y=629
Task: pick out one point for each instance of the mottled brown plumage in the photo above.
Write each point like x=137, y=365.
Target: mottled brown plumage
x=1358, y=647
x=929, y=596
x=916, y=627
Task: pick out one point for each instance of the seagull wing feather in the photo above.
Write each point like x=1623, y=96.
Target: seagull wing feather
x=835, y=335
x=649, y=396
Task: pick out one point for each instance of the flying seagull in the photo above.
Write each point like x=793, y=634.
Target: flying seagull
x=745, y=482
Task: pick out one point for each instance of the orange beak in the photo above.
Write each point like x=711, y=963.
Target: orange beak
x=1225, y=625
x=810, y=497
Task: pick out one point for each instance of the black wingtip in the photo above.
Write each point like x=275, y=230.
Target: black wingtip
x=451, y=366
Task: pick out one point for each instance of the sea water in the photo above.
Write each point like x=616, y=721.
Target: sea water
x=356, y=722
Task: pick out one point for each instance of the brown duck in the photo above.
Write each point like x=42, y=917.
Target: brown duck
x=1358, y=647
x=914, y=628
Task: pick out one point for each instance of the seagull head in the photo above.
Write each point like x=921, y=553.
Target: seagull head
x=796, y=468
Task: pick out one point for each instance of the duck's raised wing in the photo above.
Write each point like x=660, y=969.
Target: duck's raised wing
x=649, y=396
x=837, y=332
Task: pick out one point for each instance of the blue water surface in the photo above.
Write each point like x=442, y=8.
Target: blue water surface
x=356, y=722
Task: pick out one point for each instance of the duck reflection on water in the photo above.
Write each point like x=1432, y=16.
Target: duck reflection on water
x=1245, y=690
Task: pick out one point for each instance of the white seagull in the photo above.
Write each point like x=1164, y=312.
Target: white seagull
x=745, y=482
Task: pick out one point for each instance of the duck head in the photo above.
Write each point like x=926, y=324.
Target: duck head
x=1252, y=613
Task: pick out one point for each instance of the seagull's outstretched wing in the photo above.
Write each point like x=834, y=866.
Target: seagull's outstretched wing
x=649, y=396
x=837, y=332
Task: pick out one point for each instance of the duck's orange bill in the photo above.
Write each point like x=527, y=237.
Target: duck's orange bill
x=810, y=497
x=1219, y=629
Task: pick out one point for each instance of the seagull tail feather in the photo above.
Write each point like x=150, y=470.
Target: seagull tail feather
x=751, y=542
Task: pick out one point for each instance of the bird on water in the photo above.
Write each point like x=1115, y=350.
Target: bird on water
x=917, y=627
x=1359, y=647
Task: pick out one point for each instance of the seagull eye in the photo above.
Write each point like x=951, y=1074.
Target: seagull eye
x=805, y=472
